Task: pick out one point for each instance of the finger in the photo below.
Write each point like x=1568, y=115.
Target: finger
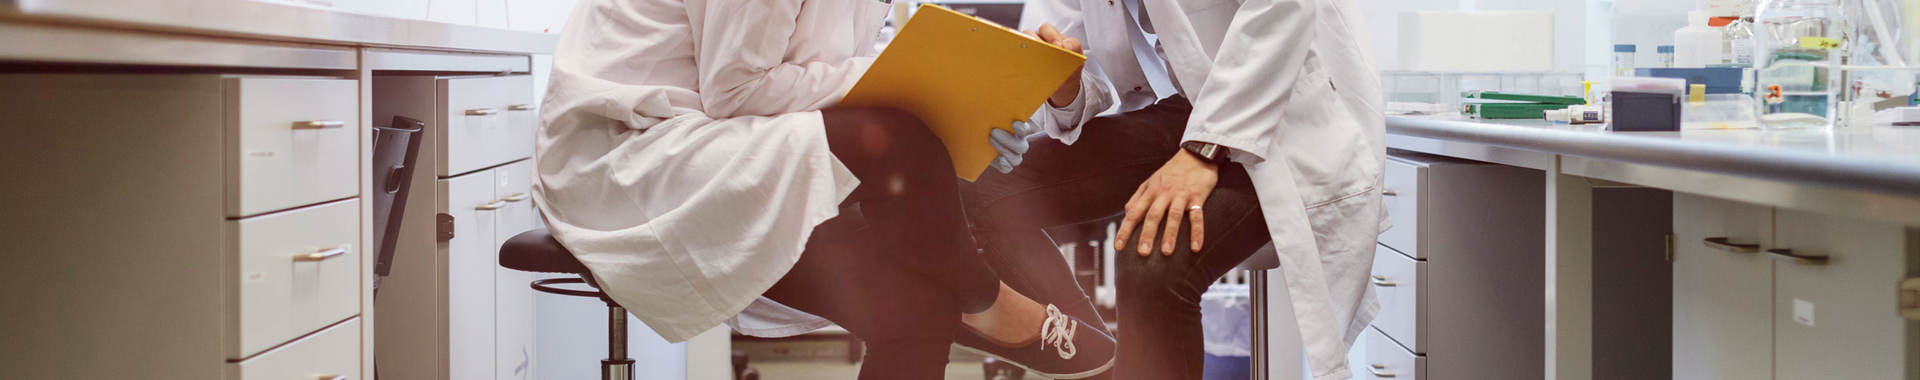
x=1017, y=157
x=1134, y=210
x=1176, y=210
x=1001, y=165
x=1003, y=139
x=1072, y=44
x=1022, y=128
x=1050, y=34
x=1151, y=225
x=1199, y=222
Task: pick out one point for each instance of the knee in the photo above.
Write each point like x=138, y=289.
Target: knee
x=897, y=135
x=1137, y=276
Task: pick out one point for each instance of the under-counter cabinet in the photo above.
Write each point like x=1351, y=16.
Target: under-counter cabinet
x=1764, y=293
x=1458, y=275
x=181, y=226
x=448, y=311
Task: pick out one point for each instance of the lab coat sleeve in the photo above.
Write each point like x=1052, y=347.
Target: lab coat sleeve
x=1096, y=95
x=1063, y=123
x=740, y=50
x=1260, y=60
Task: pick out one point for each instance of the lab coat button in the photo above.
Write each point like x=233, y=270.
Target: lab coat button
x=1136, y=88
x=1109, y=3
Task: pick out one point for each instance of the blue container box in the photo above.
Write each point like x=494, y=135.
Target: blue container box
x=1719, y=80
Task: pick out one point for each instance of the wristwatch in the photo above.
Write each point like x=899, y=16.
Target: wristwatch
x=1210, y=152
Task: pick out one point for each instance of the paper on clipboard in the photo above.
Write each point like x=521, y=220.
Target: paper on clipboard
x=963, y=76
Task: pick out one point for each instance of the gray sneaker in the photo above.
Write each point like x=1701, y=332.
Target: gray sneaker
x=1068, y=348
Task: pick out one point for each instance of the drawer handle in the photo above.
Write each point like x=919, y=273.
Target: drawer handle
x=331, y=377
x=516, y=197
x=482, y=111
x=319, y=124
x=1389, y=193
x=322, y=255
x=1789, y=256
x=1375, y=370
x=520, y=107
x=1727, y=244
x=1379, y=280
x=490, y=206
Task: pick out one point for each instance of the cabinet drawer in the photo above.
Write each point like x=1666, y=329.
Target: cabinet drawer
x=297, y=271
x=333, y=353
x=1403, y=206
x=1386, y=360
x=1835, y=312
x=291, y=142
x=488, y=121
x=1397, y=281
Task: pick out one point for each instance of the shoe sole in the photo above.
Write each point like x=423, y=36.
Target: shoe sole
x=1060, y=376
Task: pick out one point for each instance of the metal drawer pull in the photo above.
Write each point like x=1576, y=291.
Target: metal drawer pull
x=1910, y=298
x=331, y=377
x=319, y=124
x=490, y=206
x=1375, y=371
x=322, y=255
x=1379, y=280
x=1727, y=244
x=1789, y=256
x=520, y=107
x=1389, y=193
x=482, y=111
x=516, y=197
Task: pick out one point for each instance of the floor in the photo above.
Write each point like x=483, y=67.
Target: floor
x=840, y=370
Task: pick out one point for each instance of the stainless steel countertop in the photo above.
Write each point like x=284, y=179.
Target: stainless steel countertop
x=276, y=22
x=1881, y=159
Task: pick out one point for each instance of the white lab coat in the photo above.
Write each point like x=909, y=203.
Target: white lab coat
x=1284, y=83
x=681, y=156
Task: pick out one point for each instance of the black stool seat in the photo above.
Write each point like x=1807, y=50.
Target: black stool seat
x=536, y=251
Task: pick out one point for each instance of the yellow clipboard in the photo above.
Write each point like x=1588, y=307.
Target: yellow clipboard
x=963, y=76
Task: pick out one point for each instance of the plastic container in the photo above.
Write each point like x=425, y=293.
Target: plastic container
x=1697, y=44
x=1666, y=56
x=1798, y=43
x=1623, y=55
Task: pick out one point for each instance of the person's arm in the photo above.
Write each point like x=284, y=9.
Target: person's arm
x=740, y=47
x=1253, y=77
x=1077, y=101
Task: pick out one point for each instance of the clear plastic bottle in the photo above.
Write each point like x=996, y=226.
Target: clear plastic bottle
x=1623, y=56
x=1798, y=48
x=1739, y=38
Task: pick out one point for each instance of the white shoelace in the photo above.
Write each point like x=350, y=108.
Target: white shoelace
x=1058, y=331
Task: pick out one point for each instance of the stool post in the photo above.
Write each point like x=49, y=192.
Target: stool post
x=1258, y=283
x=617, y=366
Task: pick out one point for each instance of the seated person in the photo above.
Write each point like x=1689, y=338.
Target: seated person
x=691, y=157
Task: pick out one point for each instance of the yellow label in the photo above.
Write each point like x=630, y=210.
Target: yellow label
x=1821, y=43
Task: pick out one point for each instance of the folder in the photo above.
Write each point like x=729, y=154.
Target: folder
x=963, y=76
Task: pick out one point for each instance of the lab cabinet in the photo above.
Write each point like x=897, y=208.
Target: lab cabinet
x=1457, y=275
x=1765, y=293
x=1721, y=289
x=1382, y=358
x=448, y=310
x=181, y=226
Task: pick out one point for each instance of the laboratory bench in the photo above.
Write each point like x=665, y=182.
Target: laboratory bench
x=191, y=192
x=1747, y=254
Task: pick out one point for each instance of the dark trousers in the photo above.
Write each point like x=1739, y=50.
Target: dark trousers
x=898, y=267
x=1159, y=295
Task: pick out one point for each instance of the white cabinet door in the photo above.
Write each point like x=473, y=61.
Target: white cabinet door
x=513, y=297
x=1838, y=318
x=470, y=263
x=1722, y=291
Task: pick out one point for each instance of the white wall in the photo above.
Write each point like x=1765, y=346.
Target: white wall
x=1577, y=24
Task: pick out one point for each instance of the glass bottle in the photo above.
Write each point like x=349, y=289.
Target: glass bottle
x=1798, y=45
